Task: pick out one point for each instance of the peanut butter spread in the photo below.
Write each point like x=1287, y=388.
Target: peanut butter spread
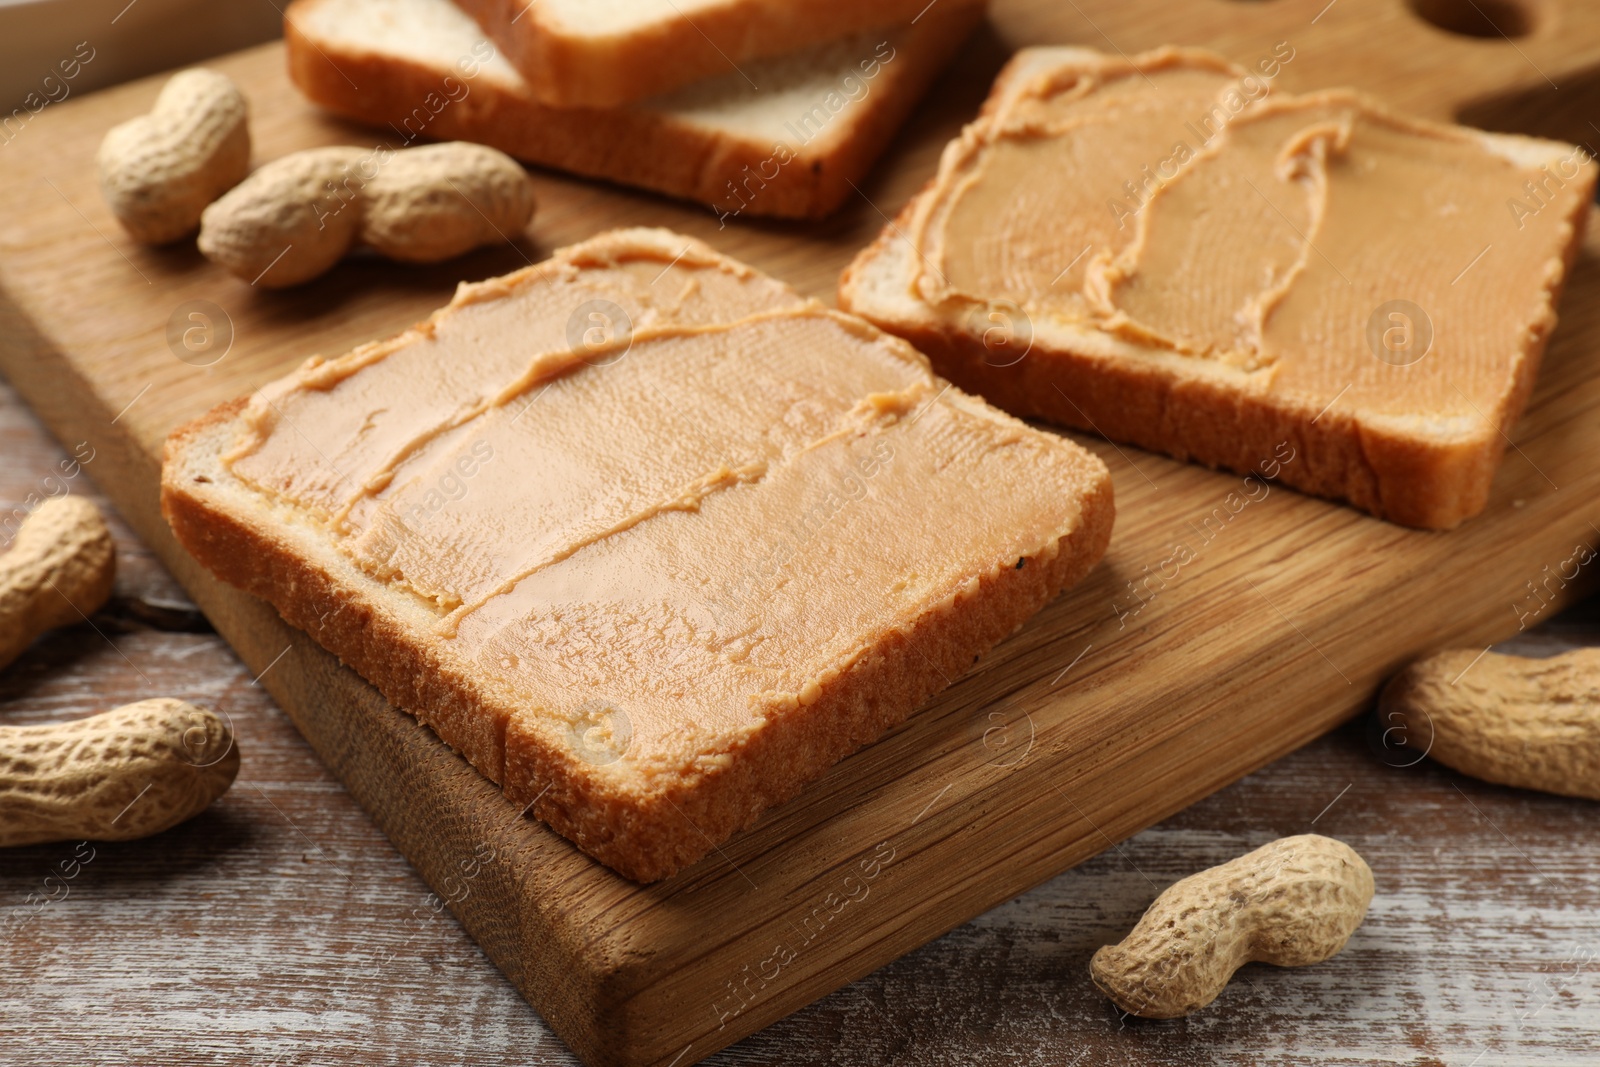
x=1314, y=246
x=642, y=477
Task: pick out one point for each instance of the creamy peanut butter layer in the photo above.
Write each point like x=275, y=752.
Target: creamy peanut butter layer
x=1169, y=203
x=662, y=484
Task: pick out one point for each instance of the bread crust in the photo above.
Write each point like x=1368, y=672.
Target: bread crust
x=1406, y=479
x=641, y=147
x=567, y=68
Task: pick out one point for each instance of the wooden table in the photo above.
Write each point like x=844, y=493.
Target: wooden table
x=280, y=927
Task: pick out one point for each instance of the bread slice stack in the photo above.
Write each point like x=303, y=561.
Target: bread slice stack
x=769, y=108
x=1165, y=250
x=648, y=537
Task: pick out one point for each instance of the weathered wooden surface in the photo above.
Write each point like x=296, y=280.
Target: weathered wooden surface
x=280, y=927
x=1277, y=633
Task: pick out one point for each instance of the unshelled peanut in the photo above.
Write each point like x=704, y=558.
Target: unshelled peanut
x=1530, y=723
x=122, y=774
x=59, y=571
x=1294, y=901
x=160, y=170
x=297, y=216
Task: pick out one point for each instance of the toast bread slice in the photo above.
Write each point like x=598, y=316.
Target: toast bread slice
x=790, y=149
x=1426, y=464
x=654, y=587
x=606, y=53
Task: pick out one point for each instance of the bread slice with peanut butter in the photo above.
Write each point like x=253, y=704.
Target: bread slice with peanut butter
x=1162, y=250
x=646, y=536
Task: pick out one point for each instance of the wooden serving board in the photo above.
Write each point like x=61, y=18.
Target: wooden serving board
x=1104, y=715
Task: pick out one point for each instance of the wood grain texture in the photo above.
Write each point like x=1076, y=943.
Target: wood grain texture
x=1094, y=722
x=280, y=927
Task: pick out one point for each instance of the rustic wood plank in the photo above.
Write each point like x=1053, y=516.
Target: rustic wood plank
x=1280, y=631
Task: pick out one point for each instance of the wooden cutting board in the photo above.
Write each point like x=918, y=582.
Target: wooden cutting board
x=1104, y=715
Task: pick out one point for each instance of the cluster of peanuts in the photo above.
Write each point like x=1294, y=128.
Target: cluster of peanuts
x=186, y=165
x=125, y=773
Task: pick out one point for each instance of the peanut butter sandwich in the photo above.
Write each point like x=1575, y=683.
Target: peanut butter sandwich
x=1163, y=250
x=646, y=536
